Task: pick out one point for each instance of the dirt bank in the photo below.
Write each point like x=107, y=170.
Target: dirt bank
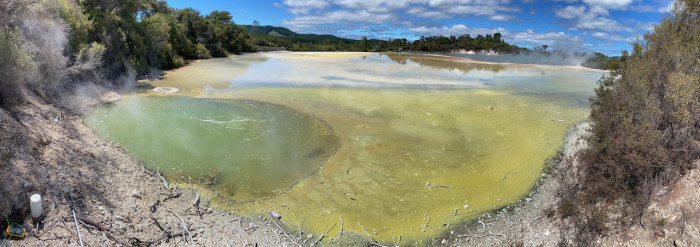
x=46, y=150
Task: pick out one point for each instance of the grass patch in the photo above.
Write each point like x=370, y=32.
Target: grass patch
x=567, y=208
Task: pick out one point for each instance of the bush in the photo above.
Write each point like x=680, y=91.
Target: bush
x=16, y=65
x=646, y=114
x=202, y=51
x=567, y=208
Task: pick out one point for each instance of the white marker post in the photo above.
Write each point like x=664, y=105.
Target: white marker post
x=35, y=205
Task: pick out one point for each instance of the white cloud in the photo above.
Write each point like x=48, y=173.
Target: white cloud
x=501, y=17
x=663, y=7
x=570, y=12
x=601, y=23
x=304, y=6
x=338, y=17
x=609, y=4
x=434, y=9
x=612, y=37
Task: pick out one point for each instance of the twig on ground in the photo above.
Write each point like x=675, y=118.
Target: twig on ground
x=363, y=229
x=323, y=235
x=164, y=182
x=77, y=229
x=287, y=234
x=156, y=201
x=277, y=235
x=184, y=227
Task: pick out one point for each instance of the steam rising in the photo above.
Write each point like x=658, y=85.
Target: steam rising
x=555, y=58
x=33, y=59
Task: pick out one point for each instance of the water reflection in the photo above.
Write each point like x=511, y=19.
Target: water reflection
x=443, y=63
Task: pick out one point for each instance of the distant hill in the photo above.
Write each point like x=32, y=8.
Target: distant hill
x=272, y=30
x=284, y=32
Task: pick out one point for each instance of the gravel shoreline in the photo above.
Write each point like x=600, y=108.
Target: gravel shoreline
x=527, y=224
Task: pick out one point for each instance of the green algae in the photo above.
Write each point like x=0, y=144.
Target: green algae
x=426, y=141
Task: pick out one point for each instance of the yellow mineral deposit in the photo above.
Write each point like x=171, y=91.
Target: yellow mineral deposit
x=424, y=141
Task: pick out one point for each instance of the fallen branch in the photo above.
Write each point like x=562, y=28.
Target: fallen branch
x=156, y=201
x=184, y=227
x=94, y=225
x=287, y=234
x=276, y=235
x=323, y=235
x=164, y=182
x=77, y=229
x=363, y=229
x=196, y=201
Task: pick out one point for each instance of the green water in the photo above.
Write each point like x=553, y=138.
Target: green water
x=249, y=149
x=399, y=121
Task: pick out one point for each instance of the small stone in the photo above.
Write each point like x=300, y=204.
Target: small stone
x=310, y=236
x=55, y=120
x=527, y=199
x=452, y=232
x=444, y=241
x=136, y=193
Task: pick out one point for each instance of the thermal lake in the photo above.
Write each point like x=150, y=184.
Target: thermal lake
x=395, y=145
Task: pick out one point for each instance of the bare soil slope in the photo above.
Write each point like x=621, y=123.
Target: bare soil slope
x=45, y=150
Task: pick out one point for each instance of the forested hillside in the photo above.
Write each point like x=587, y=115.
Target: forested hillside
x=49, y=45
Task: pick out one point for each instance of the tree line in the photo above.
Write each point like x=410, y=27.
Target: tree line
x=310, y=42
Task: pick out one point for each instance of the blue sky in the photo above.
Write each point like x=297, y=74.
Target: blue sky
x=608, y=26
